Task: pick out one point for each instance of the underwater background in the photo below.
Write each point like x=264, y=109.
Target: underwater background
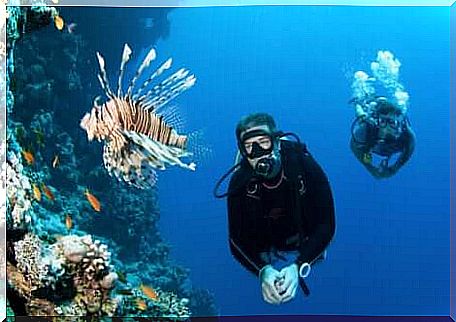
x=390, y=254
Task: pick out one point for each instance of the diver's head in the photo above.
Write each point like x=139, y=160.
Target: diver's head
x=258, y=143
x=390, y=120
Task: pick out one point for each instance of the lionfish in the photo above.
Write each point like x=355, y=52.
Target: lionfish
x=134, y=126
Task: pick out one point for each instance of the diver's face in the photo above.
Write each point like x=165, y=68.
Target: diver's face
x=389, y=126
x=260, y=151
x=256, y=145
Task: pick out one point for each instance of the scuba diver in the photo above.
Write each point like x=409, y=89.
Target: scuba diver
x=382, y=130
x=280, y=208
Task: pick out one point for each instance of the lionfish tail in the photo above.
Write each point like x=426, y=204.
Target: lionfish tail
x=138, y=129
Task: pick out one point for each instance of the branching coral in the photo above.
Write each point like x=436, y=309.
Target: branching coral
x=167, y=306
x=29, y=260
x=79, y=259
x=172, y=306
x=88, y=262
x=18, y=202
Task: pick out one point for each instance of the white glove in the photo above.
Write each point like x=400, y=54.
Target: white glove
x=269, y=277
x=287, y=287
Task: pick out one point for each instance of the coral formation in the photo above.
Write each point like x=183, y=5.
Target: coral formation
x=18, y=202
x=57, y=267
x=29, y=261
x=79, y=263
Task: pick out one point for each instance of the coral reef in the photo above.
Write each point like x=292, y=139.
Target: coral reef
x=56, y=265
x=18, y=202
x=30, y=262
x=3, y=178
x=79, y=263
x=202, y=303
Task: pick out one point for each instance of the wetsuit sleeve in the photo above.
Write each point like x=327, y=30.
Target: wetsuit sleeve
x=407, y=152
x=361, y=147
x=320, y=212
x=242, y=250
x=362, y=153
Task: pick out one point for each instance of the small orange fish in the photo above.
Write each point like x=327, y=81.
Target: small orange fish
x=141, y=304
x=149, y=292
x=36, y=192
x=47, y=192
x=68, y=222
x=56, y=161
x=58, y=22
x=28, y=156
x=92, y=200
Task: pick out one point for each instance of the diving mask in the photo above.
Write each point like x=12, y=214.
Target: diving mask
x=390, y=128
x=393, y=123
x=256, y=144
x=259, y=147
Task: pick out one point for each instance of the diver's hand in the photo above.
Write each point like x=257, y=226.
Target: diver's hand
x=287, y=289
x=386, y=170
x=383, y=165
x=268, y=277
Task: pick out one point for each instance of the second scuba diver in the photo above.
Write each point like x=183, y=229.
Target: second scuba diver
x=384, y=132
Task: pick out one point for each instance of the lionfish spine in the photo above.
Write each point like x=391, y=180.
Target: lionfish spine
x=125, y=58
x=146, y=62
x=103, y=78
x=161, y=87
x=166, y=65
x=162, y=96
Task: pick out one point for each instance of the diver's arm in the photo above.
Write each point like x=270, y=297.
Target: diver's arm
x=361, y=146
x=358, y=149
x=321, y=208
x=406, y=153
x=241, y=251
x=362, y=153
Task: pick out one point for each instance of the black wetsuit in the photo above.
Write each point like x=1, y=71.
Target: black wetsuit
x=297, y=215
x=391, y=154
x=365, y=136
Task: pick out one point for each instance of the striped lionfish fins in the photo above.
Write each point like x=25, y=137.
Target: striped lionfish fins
x=137, y=129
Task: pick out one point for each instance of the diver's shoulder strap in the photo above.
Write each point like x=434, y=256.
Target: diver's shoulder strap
x=238, y=157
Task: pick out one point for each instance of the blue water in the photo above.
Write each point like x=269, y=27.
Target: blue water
x=390, y=255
